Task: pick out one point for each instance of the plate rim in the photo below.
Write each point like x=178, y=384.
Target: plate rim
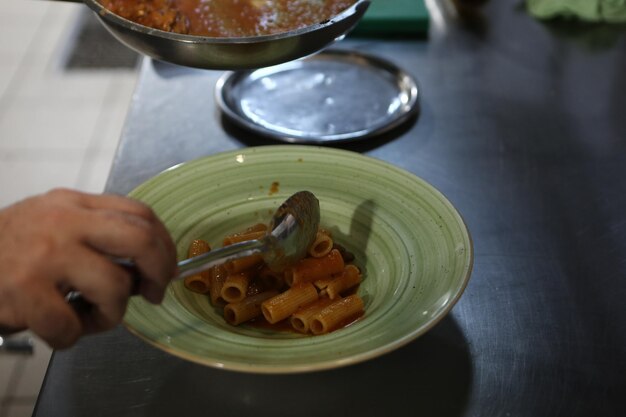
x=328, y=364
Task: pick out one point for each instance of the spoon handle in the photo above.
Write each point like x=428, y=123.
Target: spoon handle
x=186, y=267
x=81, y=306
x=22, y=345
x=205, y=261
x=215, y=257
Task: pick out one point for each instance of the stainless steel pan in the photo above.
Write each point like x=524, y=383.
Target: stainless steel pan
x=228, y=53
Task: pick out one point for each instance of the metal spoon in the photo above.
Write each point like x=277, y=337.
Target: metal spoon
x=20, y=345
x=292, y=230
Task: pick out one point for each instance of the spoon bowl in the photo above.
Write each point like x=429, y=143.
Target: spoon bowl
x=292, y=230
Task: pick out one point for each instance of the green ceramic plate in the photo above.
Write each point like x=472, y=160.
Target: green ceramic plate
x=413, y=246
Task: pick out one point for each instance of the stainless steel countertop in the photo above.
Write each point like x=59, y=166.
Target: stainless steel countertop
x=523, y=128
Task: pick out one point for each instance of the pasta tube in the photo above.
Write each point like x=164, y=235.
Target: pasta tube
x=301, y=319
x=241, y=264
x=312, y=303
x=283, y=305
x=236, y=286
x=200, y=282
x=350, y=277
x=321, y=246
x=218, y=277
x=313, y=269
x=336, y=314
x=321, y=284
x=345, y=254
x=253, y=232
x=247, y=309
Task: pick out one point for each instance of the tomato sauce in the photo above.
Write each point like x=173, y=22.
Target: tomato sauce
x=227, y=18
x=285, y=326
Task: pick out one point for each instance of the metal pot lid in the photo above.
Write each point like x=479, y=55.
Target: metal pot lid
x=334, y=96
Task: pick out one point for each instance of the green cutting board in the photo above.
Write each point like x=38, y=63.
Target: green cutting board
x=394, y=17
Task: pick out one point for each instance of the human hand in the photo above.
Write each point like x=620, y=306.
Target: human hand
x=64, y=240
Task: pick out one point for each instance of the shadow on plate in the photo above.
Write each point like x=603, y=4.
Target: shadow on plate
x=360, y=229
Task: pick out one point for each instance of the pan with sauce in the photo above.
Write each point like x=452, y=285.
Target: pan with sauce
x=227, y=34
x=227, y=18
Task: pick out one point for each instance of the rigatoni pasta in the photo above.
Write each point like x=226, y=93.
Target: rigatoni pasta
x=301, y=319
x=349, y=277
x=313, y=269
x=236, y=285
x=247, y=309
x=199, y=282
x=241, y=264
x=253, y=232
x=217, y=277
x=322, y=244
x=316, y=295
x=285, y=304
x=332, y=316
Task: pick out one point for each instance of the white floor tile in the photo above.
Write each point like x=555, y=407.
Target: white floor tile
x=115, y=110
x=75, y=87
x=95, y=172
x=19, y=410
x=15, y=39
x=7, y=364
x=49, y=123
x=50, y=39
x=11, y=61
x=57, y=129
x=22, y=178
x=19, y=19
x=7, y=72
x=33, y=371
x=24, y=8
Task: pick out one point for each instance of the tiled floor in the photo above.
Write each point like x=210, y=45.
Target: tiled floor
x=57, y=128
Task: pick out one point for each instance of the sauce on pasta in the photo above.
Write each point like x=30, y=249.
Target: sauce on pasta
x=285, y=326
x=316, y=295
x=227, y=18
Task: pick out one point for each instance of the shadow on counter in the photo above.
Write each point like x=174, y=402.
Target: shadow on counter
x=430, y=376
x=591, y=36
x=249, y=138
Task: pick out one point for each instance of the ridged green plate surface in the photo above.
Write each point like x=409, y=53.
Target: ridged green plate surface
x=413, y=246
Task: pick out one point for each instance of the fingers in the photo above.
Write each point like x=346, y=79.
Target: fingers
x=101, y=283
x=37, y=304
x=104, y=285
x=63, y=240
x=103, y=201
x=126, y=235
x=51, y=318
x=111, y=202
x=124, y=204
x=127, y=228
